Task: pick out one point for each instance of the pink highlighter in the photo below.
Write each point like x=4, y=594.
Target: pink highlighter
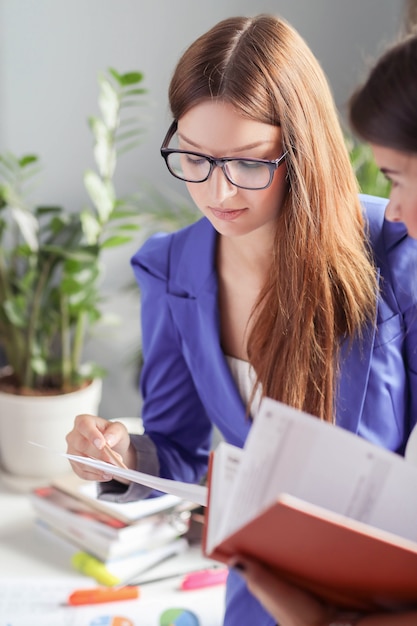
x=204, y=578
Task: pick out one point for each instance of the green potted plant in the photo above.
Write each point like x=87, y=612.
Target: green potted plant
x=50, y=271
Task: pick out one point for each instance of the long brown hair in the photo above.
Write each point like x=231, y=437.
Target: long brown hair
x=321, y=287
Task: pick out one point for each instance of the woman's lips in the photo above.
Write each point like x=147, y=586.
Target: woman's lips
x=227, y=214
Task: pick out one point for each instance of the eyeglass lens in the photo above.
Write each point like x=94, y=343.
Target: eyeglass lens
x=196, y=168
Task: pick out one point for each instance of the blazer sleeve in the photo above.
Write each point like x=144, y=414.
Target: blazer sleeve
x=390, y=411
x=402, y=266
x=173, y=415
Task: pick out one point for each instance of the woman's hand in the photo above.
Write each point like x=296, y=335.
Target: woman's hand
x=292, y=606
x=289, y=605
x=89, y=438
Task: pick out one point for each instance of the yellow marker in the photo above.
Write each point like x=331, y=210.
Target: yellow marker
x=90, y=566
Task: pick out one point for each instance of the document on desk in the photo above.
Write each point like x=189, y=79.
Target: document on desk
x=38, y=601
x=43, y=602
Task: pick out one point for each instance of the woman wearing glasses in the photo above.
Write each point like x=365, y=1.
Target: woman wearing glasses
x=383, y=112
x=274, y=291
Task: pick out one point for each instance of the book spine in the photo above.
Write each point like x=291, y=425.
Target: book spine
x=156, y=535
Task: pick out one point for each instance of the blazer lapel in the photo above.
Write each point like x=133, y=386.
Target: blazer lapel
x=193, y=302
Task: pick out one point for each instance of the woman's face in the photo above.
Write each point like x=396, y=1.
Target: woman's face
x=215, y=128
x=401, y=169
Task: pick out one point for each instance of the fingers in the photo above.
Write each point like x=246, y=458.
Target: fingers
x=114, y=457
x=285, y=602
x=89, y=437
x=259, y=579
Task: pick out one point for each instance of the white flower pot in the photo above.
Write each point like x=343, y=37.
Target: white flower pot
x=45, y=420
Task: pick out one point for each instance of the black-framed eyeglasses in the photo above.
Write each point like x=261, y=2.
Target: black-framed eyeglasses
x=195, y=167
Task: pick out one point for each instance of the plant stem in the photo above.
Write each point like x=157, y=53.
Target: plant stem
x=13, y=343
x=33, y=322
x=78, y=341
x=65, y=344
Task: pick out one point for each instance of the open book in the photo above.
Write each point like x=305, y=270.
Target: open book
x=328, y=510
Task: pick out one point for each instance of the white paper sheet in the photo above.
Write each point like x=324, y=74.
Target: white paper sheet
x=186, y=491
x=41, y=602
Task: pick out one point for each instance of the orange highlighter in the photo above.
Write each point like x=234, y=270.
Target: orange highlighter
x=98, y=595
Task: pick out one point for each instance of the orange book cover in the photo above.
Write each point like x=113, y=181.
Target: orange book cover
x=323, y=507
x=339, y=559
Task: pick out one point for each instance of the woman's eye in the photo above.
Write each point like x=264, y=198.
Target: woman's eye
x=195, y=160
x=249, y=165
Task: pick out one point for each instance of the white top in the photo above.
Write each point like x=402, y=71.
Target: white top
x=244, y=376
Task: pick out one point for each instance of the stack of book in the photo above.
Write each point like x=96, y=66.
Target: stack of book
x=329, y=511
x=112, y=542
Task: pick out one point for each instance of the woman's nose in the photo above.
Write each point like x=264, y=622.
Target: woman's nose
x=221, y=186
x=393, y=212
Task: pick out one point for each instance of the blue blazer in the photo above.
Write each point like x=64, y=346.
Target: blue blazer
x=188, y=389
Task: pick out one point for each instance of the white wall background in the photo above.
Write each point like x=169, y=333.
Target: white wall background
x=51, y=52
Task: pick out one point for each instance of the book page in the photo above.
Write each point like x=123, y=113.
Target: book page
x=225, y=465
x=411, y=448
x=127, y=512
x=288, y=451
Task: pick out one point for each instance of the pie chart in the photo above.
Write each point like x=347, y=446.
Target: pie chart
x=178, y=617
x=111, y=620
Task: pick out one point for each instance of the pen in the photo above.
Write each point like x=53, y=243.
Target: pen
x=102, y=594
x=116, y=458
x=185, y=575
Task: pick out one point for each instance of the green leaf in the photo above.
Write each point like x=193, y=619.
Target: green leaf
x=135, y=92
x=15, y=312
x=104, y=152
x=117, y=214
x=39, y=365
x=25, y=284
x=91, y=370
x=128, y=134
x=48, y=210
x=105, y=157
x=109, y=104
x=28, y=159
x=28, y=226
x=101, y=193
x=91, y=227
x=128, y=227
x=98, y=128
x=71, y=286
x=117, y=240
x=127, y=147
x=129, y=78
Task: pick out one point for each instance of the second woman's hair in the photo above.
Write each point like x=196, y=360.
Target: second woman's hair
x=383, y=110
